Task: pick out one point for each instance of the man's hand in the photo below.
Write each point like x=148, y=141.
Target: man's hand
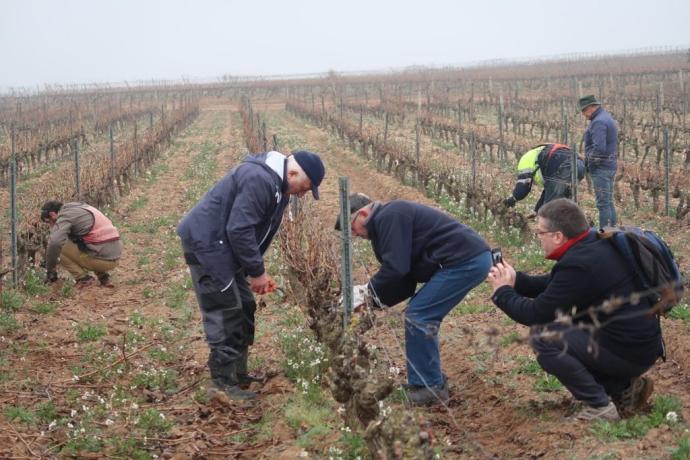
x=509, y=202
x=502, y=274
x=51, y=277
x=262, y=284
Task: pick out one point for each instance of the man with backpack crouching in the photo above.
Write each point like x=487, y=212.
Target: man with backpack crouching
x=585, y=330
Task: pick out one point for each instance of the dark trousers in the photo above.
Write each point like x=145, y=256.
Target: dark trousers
x=228, y=316
x=591, y=373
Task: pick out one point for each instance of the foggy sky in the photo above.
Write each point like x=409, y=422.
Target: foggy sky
x=79, y=41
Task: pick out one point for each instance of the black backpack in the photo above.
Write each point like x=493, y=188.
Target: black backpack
x=651, y=258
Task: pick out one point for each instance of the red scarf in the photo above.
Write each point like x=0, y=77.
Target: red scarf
x=557, y=253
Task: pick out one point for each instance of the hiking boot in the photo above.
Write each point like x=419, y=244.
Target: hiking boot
x=427, y=395
x=636, y=395
x=244, y=378
x=84, y=281
x=104, y=279
x=607, y=413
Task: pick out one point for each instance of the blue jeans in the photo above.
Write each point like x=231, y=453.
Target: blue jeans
x=602, y=181
x=426, y=310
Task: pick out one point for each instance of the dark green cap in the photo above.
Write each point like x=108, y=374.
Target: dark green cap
x=357, y=202
x=586, y=101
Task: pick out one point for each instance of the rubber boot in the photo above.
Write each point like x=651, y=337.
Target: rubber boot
x=243, y=376
x=224, y=378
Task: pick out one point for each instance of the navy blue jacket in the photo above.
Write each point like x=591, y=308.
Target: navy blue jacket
x=548, y=167
x=589, y=273
x=412, y=241
x=601, y=141
x=231, y=227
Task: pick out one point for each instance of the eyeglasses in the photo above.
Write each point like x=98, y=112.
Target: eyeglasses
x=354, y=216
x=539, y=233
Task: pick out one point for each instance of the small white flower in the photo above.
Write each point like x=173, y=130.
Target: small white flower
x=672, y=417
x=72, y=413
x=109, y=422
x=134, y=406
x=52, y=424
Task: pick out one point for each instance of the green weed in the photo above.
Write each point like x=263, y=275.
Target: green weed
x=547, y=383
x=638, y=426
x=139, y=203
x=176, y=296
x=34, y=283
x=154, y=379
x=510, y=338
x=153, y=422
x=20, y=414
x=90, y=332
x=681, y=312
x=44, y=308
x=11, y=300
x=7, y=322
x=682, y=452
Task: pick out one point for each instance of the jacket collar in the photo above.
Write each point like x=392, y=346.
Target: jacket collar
x=369, y=223
x=557, y=253
x=596, y=113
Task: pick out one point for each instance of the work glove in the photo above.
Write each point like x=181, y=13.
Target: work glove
x=360, y=293
x=509, y=202
x=51, y=277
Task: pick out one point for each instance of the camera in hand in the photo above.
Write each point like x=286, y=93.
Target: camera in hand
x=496, y=256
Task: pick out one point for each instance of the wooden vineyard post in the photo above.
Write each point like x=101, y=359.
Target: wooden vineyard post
x=13, y=209
x=112, y=156
x=385, y=128
x=564, y=119
x=473, y=152
x=667, y=172
x=573, y=173
x=417, y=136
x=77, y=167
x=500, y=152
x=459, y=127
x=346, y=257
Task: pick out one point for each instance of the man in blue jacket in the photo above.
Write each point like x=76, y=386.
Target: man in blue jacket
x=598, y=350
x=224, y=237
x=601, y=147
x=418, y=244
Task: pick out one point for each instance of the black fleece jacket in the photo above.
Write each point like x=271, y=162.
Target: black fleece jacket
x=589, y=273
x=412, y=241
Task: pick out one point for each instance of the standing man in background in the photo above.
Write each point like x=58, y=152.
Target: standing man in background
x=601, y=152
x=224, y=237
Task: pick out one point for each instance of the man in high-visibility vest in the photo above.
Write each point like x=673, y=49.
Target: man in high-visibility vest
x=547, y=165
x=82, y=240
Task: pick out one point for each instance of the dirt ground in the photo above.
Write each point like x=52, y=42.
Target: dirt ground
x=495, y=409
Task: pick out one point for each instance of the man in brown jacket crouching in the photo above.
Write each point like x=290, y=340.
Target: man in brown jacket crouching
x=82, y=240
